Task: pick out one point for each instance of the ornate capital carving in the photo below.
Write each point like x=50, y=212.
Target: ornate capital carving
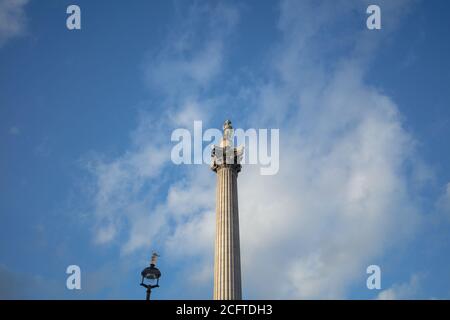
x=226, y=157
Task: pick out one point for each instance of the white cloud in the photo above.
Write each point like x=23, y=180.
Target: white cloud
x=403, y=291
x=185, y=115
x=119, y=184
x=341, y=197
x=193, y=55
x=12, y=19
x=444, y=201
x=15, y=131
x=128, y=189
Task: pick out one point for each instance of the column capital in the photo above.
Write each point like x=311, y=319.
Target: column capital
x=226, y=156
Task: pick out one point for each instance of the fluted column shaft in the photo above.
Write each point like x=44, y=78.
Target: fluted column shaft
x=227, y=260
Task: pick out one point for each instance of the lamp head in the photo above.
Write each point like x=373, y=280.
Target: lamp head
x=151, y=273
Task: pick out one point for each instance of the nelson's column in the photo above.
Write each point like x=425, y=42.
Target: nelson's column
x=225, y=163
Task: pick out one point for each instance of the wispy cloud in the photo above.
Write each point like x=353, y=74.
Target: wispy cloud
x=193, y=54
x=12, y=19
x=342, y=196
x=134, y=189
x=402, y=291
x=443, y=204
x=15, y=131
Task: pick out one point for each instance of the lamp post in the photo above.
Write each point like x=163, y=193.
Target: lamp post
x=150, y=276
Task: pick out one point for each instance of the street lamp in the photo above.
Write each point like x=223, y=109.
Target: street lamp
x=150, y=276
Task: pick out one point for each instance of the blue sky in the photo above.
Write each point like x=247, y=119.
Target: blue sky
x=86, y=118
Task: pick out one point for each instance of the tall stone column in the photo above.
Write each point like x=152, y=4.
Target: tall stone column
x=227, y=260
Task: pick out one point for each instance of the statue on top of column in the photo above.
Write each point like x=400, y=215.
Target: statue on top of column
x=226, y=154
